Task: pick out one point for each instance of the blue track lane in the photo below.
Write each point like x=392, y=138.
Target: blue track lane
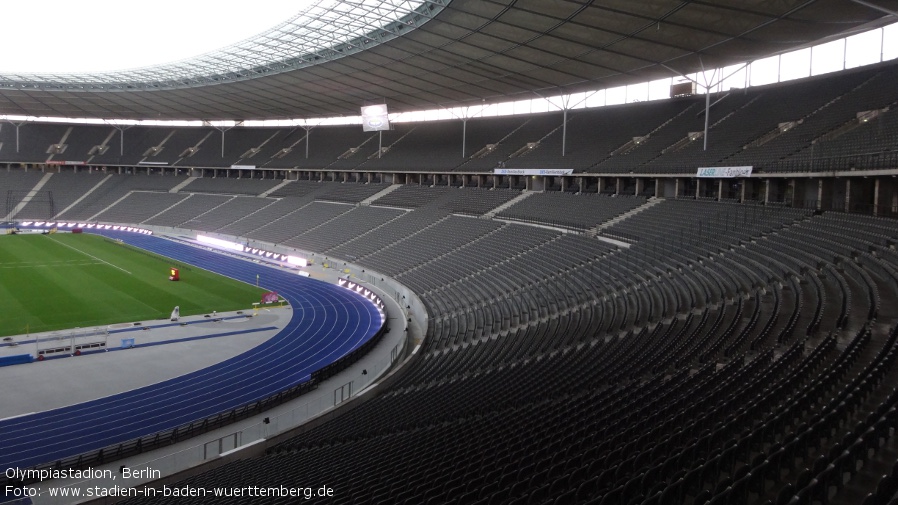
x=327, y=323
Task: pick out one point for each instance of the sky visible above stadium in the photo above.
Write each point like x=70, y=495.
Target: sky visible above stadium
x=64, y=36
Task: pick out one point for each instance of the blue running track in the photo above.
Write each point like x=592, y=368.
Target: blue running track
x=328, y=322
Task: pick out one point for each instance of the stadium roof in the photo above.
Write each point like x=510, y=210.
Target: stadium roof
x=418, y=55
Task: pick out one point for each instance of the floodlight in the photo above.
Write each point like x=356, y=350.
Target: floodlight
x=375, y=118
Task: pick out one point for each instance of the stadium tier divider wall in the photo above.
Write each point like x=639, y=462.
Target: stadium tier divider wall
x=873, y=192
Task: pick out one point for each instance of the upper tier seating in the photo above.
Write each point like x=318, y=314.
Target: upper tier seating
x=781, y=127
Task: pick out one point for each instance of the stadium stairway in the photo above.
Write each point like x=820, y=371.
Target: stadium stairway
x=180, y=186
x=189, y=195
x=524, y=194
x=323, y=224
x=111, y=205
x=37, y=187
x=647, y=205
x=386, y=191
x=276, y=188
x=83, y=196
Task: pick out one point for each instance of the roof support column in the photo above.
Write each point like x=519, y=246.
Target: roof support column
x=847, y=194
x=707, y=117
x=121, y=130
x=708, y=84
x=564, y=133
x=565, y=106
x=222, y=128
x=17, y=125
x=308, y=130
x=876, y=196
x=464, y=136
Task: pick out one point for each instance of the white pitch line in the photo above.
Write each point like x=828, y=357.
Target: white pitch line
x=53, y=265
x=90, y=255
x=26, y=263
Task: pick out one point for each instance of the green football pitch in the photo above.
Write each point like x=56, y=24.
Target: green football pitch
x=60, y=281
